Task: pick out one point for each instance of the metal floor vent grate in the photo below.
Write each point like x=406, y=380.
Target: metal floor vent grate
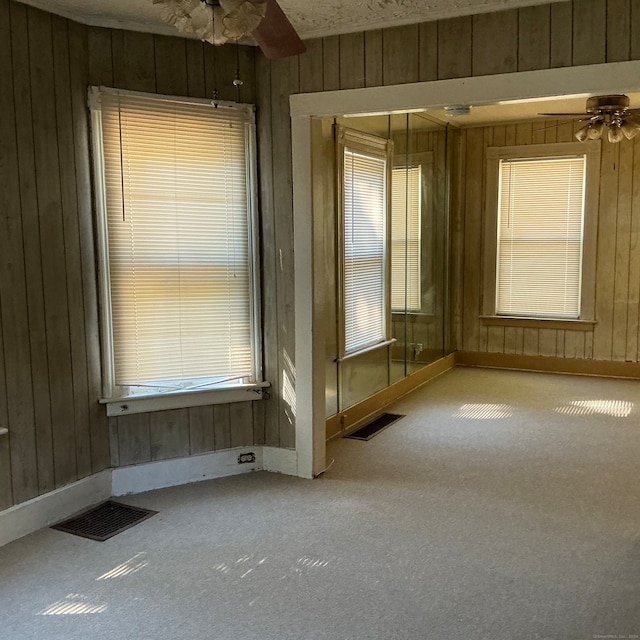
x=104, y=521
x=374, y=428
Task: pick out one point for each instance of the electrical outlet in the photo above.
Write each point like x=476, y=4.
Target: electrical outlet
x=247, y=458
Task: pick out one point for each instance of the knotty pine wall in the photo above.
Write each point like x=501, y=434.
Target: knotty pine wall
x=49, y=346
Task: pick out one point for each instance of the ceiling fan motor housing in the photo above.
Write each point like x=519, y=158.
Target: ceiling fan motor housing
x=608, y=103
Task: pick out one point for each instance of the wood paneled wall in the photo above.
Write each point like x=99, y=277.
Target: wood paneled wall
x=560, y=34
x=615, y=335
x=49, y=347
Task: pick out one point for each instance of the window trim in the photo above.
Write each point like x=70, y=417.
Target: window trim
x=591, y=150
x=424, y=160
x=115, y=401
x=381, y=148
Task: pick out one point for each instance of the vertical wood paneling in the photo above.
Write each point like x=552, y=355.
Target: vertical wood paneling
x=605, y=273
x=352, y=61
x=221, y=426
x=373, y=58
x=428, y=51
x=618, y=30
x=196, y=85
x=169, y=434
x=400, y=60
x=170, y=65
x=561, y=34
x=72, y=251
x=134, y=442
x=473, y=232
x=495, y=43
x=589, y=31
x=622, y=255
x=633, y=309
x=311, y=69
x=283, y=228
x=534, y=37
x=201, y=435
x=635, y=29
x=52, y=245
x=331, y=63
x=100, y=57
x=454, y=48
x=241, y=424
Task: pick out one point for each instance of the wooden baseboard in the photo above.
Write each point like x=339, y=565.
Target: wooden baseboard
x=351, y=419
x=547, y=364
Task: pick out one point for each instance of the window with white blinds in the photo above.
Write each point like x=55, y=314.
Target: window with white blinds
x=178, y=227
x=364, y=250
x=541, y=204
x=406, y=238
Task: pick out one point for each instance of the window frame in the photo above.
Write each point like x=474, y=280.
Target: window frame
x=425, y=161
x=116, y=397
x=591, y=151
x=380, y=148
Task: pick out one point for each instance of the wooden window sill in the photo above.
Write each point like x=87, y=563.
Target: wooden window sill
x=538, y=323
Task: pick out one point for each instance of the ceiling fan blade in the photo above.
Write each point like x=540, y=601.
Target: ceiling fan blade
x=276, y=36
x=565, y=115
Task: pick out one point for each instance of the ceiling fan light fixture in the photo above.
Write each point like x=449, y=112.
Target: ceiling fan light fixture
x=615, y=134
x=582, y=134
x=630, y=129
x=595, y=130
x=242, y=17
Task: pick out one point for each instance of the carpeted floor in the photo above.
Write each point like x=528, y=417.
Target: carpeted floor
x=504, y=506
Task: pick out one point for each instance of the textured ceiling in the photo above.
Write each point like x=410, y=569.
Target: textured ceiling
x=311, y=18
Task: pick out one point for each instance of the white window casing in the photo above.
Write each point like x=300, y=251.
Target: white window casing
x=175, y=195
x=364, y=179
x=541, y=221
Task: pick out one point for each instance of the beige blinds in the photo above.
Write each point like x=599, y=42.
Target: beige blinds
x=364, y=252
x=176, y=199
x=540, y=231
x=405, y=238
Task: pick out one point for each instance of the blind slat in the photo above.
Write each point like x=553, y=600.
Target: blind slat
x=364, y=249
x=540, y=233
x=178, y=234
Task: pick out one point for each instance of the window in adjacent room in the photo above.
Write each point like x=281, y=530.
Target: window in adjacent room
x=540, y=238
x=175, y=192
x=364, y=173
x=406, y=238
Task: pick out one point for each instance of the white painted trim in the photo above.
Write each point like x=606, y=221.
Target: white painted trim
x=614, y=77
x=54, y=506
x=184, y=399
x=171, y=473
x=306, y=109
x=66, y=501
x=280, y=460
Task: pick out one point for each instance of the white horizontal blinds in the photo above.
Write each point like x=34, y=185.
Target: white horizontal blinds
x=176, y=189
x=540, y=231
x=364, y=250
x=405, y=238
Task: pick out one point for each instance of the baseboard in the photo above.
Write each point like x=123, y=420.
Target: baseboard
x=54, y=506
x=170, y=473
x=548, y=364
x=280, y=460
x=57, y=505
x=352, y=418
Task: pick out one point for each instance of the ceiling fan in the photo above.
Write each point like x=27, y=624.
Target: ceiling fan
x=219, y=21
x=606, y=112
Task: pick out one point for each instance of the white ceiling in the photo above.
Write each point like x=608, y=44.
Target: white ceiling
x=311, y=18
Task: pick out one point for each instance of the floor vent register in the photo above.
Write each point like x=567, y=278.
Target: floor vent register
x=375, y=427
x=104, y=521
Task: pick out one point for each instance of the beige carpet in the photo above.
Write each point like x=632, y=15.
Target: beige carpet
x=504, y=506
